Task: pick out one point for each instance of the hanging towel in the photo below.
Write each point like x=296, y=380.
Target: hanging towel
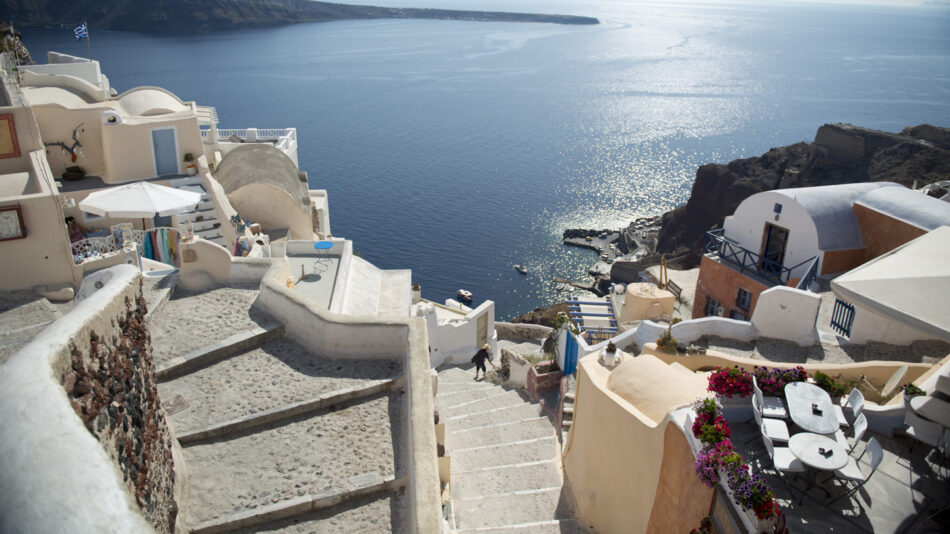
x=148, y=247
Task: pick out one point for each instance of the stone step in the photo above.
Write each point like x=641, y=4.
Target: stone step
x=569, y=396
x=275, y=376
x=490, y=482
x=494, y=415
x=540, y=504
x=330, y=452
x=454, y=388
x=219, y=350
x=499, y=432
x=478, y=402
x=568, y=409
x=510, y=453
x=457, y=374
x=552, y=526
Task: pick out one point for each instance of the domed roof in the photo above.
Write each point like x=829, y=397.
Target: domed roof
x=262, y=163
x=146, y=101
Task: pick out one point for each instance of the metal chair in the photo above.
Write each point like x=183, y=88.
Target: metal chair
x=783, y=461
x=851, y=472
x=771, y=406
x=860, y=427
x=774, y=429
x=855, y=401
x=922, y=430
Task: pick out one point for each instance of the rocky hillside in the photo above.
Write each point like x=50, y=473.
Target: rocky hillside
x=208, y=15
x=841, y=153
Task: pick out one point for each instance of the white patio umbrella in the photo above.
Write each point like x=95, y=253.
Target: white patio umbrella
x=139, y=199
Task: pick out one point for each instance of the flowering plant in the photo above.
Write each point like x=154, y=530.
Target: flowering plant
x=772, y=381
x=710, y=429
x=705, y=527
x=729, y=381
x=712, y=460
x=751, y=491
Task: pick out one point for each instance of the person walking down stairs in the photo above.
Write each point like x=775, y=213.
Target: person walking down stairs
x=480, y=358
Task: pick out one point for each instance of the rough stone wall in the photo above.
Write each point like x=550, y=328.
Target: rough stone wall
x=112, y=387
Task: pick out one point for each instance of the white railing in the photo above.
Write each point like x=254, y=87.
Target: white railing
x=92, y=248
x=285, y=139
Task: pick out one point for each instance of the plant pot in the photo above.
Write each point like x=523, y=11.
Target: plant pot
x=736, y=409
x=539, y=381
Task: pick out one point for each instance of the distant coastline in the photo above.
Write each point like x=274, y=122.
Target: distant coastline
x=185, y=16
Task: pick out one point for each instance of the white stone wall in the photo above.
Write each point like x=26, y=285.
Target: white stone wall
x=747, y=225
x=456, y=341
x=55, y=475
x=787, y=313
x=870, y=326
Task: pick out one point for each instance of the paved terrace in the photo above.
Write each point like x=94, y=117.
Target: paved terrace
x=268, y=427
x=907, y=494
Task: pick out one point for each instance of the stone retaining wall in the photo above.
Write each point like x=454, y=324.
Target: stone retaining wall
x=98, y=458
x=111, y=386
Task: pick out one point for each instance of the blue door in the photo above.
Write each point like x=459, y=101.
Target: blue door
x=166, y=157
x=570, y=355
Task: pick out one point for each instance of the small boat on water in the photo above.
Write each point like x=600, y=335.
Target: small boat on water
x=521, y=269
x=464, y=295
x=560, y=287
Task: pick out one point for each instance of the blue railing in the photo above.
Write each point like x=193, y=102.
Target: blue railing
x=809, y=275
x=747, y=261
x=842, y=317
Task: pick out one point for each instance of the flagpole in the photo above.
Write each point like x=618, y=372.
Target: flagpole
x=88, y=39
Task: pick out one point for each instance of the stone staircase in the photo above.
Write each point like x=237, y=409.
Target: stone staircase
x=273, y=435
x=505, y=459
x=204, y=218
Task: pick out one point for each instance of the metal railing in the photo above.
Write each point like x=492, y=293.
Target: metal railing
x=747, y=261
x=842, y=317
x=809, y=276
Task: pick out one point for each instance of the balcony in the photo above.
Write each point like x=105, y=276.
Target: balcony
x=284, y=139
x=747, y=262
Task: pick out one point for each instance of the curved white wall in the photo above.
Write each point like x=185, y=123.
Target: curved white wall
x=747, y=225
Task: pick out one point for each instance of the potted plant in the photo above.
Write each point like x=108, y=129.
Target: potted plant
x=835, y=387
x=710, y=427
x=190, y=164
x=667, y=342
x=772, y=380
x=731, y=382
x=911, y=391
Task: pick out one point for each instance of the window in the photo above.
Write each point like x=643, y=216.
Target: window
x=738, y=315
x=712, y=307
x=743, y=299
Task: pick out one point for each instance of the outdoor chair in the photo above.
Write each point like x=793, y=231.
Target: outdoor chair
x=851, y=472
x=771, y=406
x=774, y=429
x=860, y=427
x=855, y=401
x=922, y=430
x=783, y=461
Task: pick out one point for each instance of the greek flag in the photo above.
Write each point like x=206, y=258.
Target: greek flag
x=80, y=31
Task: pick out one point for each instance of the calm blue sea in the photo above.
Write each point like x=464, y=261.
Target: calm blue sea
x=457, y=149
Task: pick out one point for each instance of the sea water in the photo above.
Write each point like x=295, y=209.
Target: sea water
x=457, y=149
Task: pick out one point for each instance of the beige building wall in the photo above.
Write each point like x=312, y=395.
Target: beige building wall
x=645, y=301
x=613, y=456
x=24, y=138
x=273, y=208
x=56, y=124
x=128, y=152
x=44, y=256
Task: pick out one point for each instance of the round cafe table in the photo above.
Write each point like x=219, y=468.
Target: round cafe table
x=323, y=255
x=802, y=399
x=805, y=446
x=932, y=408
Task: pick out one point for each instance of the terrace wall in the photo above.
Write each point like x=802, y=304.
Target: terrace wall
x=81, y=418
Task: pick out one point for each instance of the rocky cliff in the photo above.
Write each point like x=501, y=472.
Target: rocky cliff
x=840, y=153
x=208, y=15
